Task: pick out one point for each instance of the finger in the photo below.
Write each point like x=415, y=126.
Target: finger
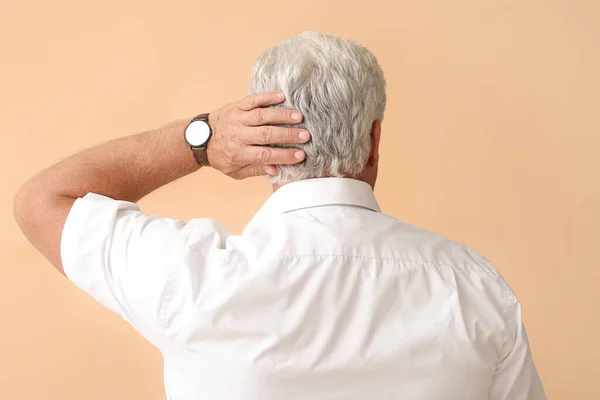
x=261, y=155
x=271, y=170
x=271, y=116
x=248, y=171
x=257, y=100
x=268, y=134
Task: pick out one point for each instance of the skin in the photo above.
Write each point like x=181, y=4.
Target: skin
x=134, y=166
x=369, y=173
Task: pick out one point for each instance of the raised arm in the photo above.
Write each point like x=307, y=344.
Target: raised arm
x=132, y=167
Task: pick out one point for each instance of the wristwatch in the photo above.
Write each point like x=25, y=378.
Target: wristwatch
x=197, y=134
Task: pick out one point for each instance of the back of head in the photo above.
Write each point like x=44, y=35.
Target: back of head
x=339, y=87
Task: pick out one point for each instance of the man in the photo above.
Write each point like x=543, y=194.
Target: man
x=322, y=296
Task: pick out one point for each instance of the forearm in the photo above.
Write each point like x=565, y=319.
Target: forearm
x=125, y=169
x=132, y=167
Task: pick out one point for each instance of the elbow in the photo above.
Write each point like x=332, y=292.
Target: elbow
x=29, y=206
x=23, y=206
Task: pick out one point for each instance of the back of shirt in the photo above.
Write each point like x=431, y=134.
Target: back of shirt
x=342, y=302
x=322, y=297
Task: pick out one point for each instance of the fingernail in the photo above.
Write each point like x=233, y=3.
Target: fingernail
x=304, y=135
x=296, y=116
x=299, y=155
x=268, y=171
x=280, y=95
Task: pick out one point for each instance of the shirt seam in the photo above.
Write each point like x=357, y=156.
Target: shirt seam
x=510, y=325
x=394, y=261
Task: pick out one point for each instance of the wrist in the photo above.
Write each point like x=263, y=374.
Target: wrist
x=197, y=135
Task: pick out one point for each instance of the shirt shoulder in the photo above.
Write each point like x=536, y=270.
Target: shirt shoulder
x=357, y=232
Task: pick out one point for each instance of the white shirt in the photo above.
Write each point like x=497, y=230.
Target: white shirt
x=322, y=297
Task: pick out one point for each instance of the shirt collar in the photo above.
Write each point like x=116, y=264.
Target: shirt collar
x=318, y=192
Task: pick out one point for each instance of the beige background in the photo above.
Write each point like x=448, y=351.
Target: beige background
x=491, y=137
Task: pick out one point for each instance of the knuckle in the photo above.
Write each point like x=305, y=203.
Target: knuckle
x=291, y=135
x=250, y=101
x=241, y=117
x=265, y=134
x=259, y=114
x=265, y=155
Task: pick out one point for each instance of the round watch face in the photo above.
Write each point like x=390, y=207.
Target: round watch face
x=197, y=133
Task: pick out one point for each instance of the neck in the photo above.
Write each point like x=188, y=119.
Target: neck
x=360, y=178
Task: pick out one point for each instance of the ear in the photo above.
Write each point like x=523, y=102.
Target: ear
x=375, y=137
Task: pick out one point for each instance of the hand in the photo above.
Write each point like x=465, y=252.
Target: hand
x=239, y=129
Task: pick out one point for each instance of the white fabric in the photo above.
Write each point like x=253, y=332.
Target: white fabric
x=322, y=297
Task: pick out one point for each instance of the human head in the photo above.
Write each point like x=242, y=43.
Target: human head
x=339, y=87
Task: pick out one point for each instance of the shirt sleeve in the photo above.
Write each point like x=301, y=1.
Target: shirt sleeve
x=516, y=377
x=123, y=258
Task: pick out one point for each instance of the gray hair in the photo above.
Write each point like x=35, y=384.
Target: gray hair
x=339, y=87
